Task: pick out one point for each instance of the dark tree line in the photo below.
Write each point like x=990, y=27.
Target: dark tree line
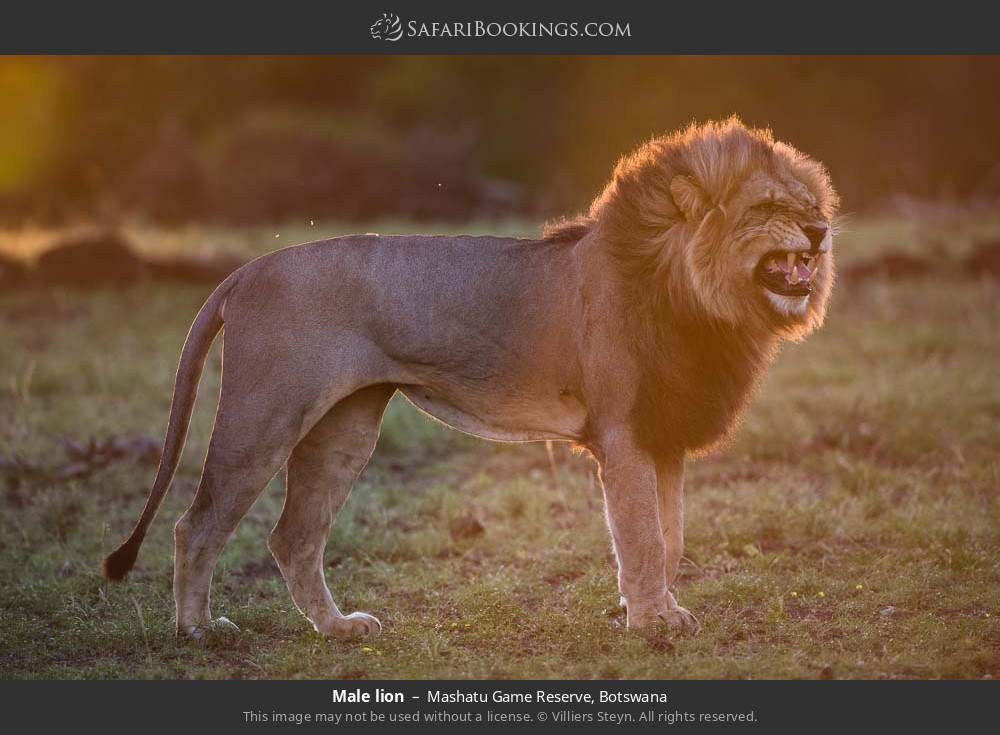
x=271, y=138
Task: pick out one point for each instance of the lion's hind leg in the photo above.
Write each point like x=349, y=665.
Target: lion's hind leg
x=246, y=451
x=321, y=471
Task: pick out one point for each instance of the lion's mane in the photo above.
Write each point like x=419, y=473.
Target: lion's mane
x=697, y=371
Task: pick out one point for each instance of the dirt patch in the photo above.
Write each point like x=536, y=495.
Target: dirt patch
x=466, y=527
x=354, y=674
x=81, y=459
x=660, y=642
x=560, y=578
x=802, y=612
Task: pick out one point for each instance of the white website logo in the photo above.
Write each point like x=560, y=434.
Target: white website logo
x=387, y=28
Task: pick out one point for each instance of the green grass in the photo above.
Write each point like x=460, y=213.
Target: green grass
x=852, y=530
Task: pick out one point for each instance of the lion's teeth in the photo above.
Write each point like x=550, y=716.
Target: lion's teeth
x=790, y=259
x=815, y=266
x=793, y=277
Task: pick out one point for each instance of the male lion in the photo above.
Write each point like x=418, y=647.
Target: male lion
x=638, y=331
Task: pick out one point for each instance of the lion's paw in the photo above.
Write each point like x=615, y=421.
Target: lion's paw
x=355, y=625
x=674, y=618
x=203, y=632
x=681, y=618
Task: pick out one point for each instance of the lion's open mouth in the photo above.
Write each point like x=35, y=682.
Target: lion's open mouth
x=788, y=274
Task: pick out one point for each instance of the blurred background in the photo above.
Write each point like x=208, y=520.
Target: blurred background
x=245, y=140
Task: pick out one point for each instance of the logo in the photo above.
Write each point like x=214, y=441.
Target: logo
x=387, y=28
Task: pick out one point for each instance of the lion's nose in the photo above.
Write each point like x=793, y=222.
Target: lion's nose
x=816, y=234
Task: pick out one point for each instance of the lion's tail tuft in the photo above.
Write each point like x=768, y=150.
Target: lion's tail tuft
x=120, y=561
x=199, y=340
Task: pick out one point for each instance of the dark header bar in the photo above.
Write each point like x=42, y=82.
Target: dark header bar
x=510, y=27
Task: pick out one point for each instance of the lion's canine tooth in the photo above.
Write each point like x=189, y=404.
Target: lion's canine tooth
x=794, y=277
x=790, y=259
x=815, y=266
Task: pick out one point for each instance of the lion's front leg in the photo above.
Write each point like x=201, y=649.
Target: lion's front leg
x=629, y=476
x=670, y=493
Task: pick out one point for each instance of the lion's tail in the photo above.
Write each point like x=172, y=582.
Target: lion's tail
x=199, y=340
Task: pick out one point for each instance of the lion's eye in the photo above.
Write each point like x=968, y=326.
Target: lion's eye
x=762, y=210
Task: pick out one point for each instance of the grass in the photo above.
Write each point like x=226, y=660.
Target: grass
x=852, y=530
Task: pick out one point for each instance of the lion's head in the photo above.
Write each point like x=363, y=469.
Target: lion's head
x=727, y=218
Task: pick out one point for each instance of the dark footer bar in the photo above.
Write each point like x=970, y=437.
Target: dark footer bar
x=248, y=706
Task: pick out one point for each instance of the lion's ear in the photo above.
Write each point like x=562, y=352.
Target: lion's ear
x=688, y=197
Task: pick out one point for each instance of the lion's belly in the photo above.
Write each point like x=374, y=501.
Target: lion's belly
x=520, y=421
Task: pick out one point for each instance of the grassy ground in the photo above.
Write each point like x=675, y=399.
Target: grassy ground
x=851, y=531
